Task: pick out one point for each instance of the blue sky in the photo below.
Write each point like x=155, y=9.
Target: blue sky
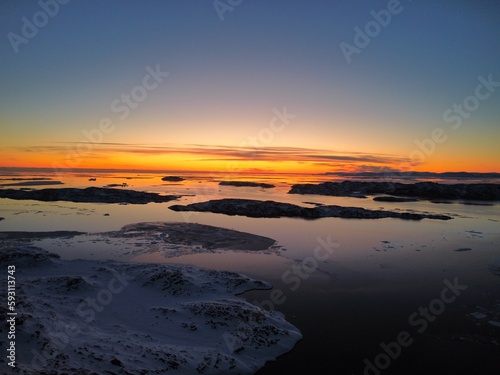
x=227, y=76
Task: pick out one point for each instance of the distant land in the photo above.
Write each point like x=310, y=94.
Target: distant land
x=408, y=174
x=378, y=175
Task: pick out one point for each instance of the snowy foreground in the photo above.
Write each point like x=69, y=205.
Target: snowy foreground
x=86, y=316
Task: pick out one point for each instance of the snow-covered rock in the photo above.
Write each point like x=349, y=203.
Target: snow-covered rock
x=85, y=316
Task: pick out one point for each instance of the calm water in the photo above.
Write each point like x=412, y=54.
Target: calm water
x=346, y=302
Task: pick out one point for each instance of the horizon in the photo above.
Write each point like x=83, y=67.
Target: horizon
x=393, y=173
x=357, y=88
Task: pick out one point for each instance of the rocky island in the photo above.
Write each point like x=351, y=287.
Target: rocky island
x=173, y=179
x=420, y=190
x=256, y=208
x=37, y=182
x=87, y=195
x=390, y=198
x=247, y=184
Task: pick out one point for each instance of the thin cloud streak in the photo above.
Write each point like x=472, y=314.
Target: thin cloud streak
x=224, y=153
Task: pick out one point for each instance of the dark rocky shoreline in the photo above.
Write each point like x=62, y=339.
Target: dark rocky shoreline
x=173, y=179
x=247, y=184
x=390, y=198
x=420, y=190
x=271, y=209
x=87, y=195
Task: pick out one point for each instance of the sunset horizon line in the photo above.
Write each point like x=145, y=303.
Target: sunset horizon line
x=388, y=173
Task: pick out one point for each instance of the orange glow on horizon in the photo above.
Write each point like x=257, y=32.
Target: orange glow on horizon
x=230, y=160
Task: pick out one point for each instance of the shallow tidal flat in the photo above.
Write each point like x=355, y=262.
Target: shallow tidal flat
x=339, y=308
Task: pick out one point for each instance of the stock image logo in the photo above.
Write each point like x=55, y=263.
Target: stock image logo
x=420, y=321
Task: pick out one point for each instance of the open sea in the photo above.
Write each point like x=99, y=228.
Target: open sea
x=390, y=296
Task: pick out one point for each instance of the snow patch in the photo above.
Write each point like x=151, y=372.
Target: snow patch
x=85, y=316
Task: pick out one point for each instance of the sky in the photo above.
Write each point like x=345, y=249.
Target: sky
x=250, y=85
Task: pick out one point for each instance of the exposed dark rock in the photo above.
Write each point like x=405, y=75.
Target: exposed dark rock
x=256, y=208
x=423, y=190
x=193, y=234
x=34, y=183
x=90, y=194
x=116, y=362
x=248, y=207
x=463, y=249
x=246, y=183
x=389, y=198
x=478, y=204
x=27, y=256
x=27, y=179
x=314, y=203
x=17, y=235
x=172, y=178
